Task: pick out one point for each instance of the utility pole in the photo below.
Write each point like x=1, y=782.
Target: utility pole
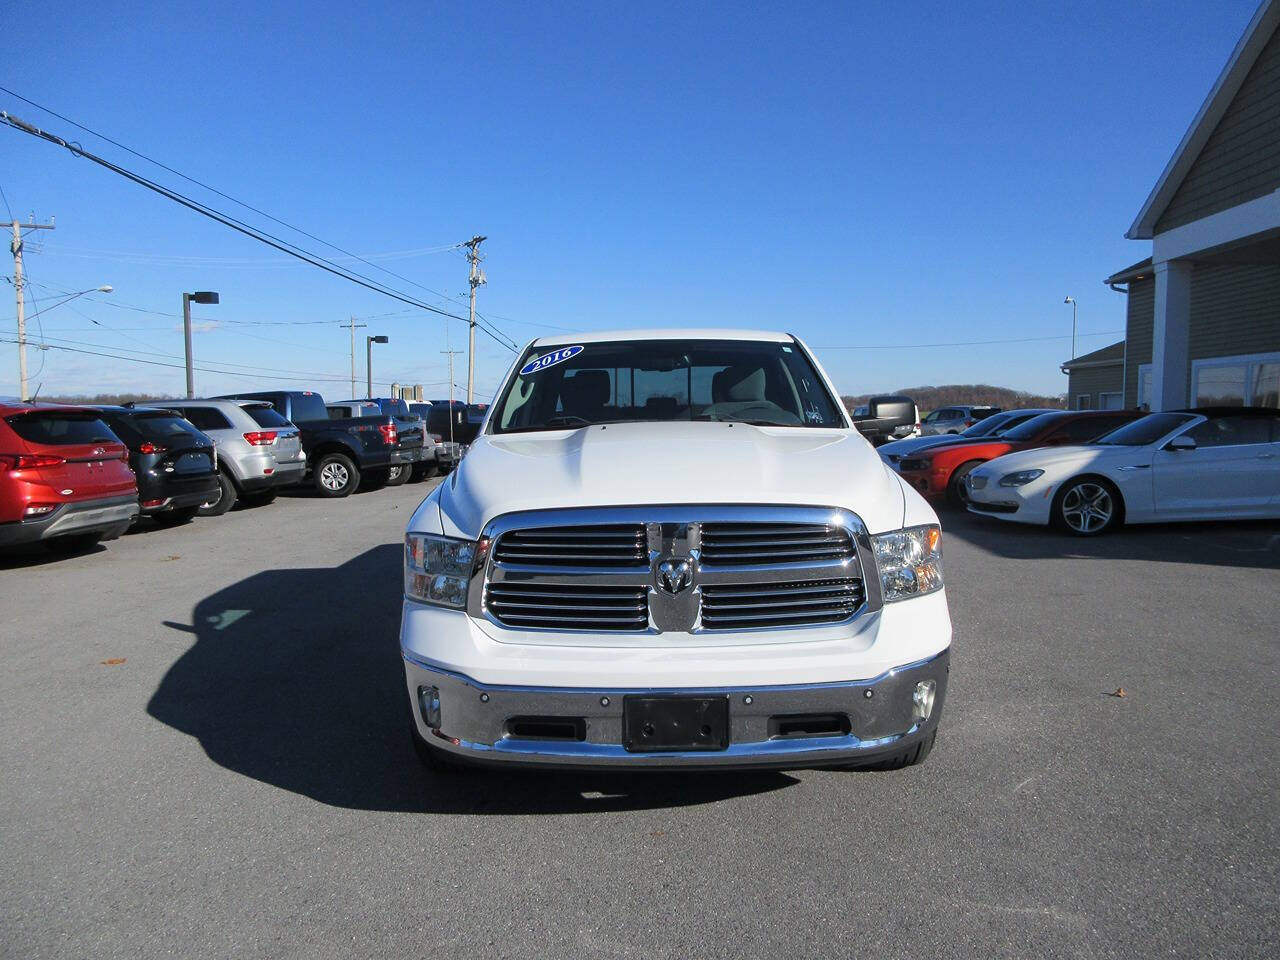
x=451, y=355
x=16, y=248
x=354, y=327
x=477, y=278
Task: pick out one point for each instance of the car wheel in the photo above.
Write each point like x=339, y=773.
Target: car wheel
x=335, y=475
x=909, y=757
x=72, y=543
x=398, y=475
x=174, y=517
x=955, y=486
x=223, y=500
x=1087, y=507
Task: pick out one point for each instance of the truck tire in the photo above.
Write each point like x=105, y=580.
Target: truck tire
x=398, y=474
x=909, y=757
x=335, y=475
x=225, y=499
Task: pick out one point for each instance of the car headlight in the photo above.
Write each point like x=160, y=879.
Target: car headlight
x=438, y=569
x=910, y=561
x=1020, y=478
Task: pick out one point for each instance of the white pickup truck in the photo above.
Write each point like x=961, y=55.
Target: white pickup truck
x=670, y=548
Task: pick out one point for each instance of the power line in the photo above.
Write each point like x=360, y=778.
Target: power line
x=227, y=196
x=228, y=221
x=182, y=366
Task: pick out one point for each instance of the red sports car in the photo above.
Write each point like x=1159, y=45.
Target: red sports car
x=939, y=471
x=64, y=477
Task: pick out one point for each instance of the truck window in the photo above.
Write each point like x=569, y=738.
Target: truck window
x=308, y=406
x=762, y=382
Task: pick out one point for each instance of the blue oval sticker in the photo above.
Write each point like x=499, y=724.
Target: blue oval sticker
x=550, y=359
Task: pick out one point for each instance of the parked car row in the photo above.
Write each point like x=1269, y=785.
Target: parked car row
x=1087, y=472
x=73, y=475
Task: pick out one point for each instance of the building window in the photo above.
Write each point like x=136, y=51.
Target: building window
x=1144, y=386
x=1082, y=401
x=1111, y=401
x=1237, y=381
x=1266, y=385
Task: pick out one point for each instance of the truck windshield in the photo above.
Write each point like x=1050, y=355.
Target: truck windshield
x=759, y=382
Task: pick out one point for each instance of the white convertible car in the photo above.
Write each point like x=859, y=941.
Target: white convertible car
x=1212, y=463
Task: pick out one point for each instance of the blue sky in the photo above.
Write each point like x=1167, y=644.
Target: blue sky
x=870, y=176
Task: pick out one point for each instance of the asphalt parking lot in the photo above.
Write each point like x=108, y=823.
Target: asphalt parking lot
x=204, y=754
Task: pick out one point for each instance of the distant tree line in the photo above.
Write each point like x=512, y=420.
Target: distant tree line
x=979, y=394
x=109, y=399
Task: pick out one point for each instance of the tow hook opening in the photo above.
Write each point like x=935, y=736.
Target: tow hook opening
x=573, y=729
x=797, y=725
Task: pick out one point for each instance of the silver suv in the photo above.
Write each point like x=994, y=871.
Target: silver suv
x=259, y=451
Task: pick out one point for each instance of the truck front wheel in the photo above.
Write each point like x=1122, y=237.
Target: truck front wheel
x=335, y=475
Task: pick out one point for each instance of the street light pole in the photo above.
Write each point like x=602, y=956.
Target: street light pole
x=200, y=296
x=1072, y=301
x=368, y=349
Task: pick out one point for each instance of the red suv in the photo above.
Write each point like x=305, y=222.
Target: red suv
x=64, y=477
x=940, y=471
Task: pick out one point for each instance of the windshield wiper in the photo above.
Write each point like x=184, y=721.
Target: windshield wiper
x=753, y=423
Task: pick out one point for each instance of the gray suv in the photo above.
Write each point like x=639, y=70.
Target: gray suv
x=259, y=451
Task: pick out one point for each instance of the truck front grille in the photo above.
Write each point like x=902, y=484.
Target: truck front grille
x=675, y=570
x=743, y=543
x=798, y=603
x=551, y=606
x=606, y=546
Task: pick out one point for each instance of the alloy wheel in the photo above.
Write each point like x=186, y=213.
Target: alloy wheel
x=1087, y=507
x=334, y=476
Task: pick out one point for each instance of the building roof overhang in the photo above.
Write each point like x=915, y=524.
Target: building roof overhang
x=1108, y=356
x=1206, y=120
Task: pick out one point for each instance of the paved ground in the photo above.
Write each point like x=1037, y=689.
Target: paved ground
x=240, y=783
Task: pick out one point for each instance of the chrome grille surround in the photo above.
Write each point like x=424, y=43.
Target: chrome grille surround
x=557, y=593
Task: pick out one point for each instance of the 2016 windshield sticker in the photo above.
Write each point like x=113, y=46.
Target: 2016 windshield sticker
x=550, y=360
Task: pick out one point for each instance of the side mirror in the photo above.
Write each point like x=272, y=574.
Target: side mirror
x=1181, y=442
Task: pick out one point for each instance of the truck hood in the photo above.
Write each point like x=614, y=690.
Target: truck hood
x=627, y=464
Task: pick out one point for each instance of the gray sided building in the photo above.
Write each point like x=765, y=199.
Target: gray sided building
x=1203, y=317
x=1096, y=380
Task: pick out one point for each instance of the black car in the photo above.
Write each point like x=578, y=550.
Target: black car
x=174, y=462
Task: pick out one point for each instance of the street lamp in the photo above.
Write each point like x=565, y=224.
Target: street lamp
x=1072, y=301
x=200, y=296
x=22, y=328
x=368, y=349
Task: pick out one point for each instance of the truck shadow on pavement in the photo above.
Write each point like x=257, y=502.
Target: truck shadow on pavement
x=295, y=679
x=1243, y=543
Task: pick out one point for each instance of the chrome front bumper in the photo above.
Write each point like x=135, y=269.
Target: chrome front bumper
x=470, y=720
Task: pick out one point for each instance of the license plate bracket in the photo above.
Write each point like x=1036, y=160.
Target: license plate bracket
x=664, y=724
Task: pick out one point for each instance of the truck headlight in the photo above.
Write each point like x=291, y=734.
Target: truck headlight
x=1020, y=478
x=438, y=569
x=910, y=561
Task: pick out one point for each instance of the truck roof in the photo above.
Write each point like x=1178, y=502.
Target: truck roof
x=673, y=333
